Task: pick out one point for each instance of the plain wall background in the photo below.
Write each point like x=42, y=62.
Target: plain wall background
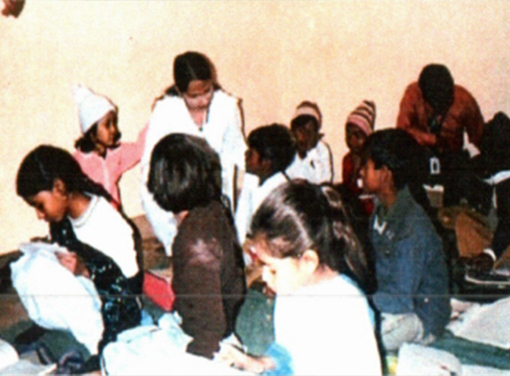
x=272, y=54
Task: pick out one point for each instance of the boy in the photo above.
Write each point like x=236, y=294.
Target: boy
x=270, y=151
x=411, y=271
x=314, y=161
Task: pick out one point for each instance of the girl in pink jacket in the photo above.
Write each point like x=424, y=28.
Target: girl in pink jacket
x=100, y=154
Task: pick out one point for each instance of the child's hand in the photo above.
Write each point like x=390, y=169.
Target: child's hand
x=72, y=262
x=234, y=357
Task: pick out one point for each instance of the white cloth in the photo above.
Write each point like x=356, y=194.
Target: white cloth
x=316, y=167
x=223, y=132
x=159, y=350
x=327, y=330
x=251, y=197
x=103, y=228
x=55, y=299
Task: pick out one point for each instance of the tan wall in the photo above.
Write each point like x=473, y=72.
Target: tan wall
x=272, y=54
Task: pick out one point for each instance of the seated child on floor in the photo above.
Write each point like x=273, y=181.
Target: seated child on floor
x=359, y=125
x=101, y=257
x=493, y=162
x=270, y=151
x=412, y=277
x=208, y=271
x=99, y=151
x=314, y=160
x=323, y=322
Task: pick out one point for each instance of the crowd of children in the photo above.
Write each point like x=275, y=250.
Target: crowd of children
x=289, y=222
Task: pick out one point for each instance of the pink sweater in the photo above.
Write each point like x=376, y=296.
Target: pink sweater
x=108, y=171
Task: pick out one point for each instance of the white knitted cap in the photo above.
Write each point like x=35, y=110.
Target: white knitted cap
x=92, y=107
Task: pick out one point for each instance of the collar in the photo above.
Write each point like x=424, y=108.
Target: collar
x=382, y=216
x=82, y=219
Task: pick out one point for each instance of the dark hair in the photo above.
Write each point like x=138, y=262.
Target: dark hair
x=399, y=152
x=86, y=143
x=191, y=66
x=274, y=143
x=302, y=120
x=185, y=172
x=437, y=86
x=44, y=165
x=298, y=216
x=495, y=143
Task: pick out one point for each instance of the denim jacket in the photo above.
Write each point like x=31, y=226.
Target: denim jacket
x=411, y=269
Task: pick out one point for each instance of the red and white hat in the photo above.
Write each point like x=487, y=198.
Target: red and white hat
x=363, y=117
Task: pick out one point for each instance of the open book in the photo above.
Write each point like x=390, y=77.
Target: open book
x=11, y=364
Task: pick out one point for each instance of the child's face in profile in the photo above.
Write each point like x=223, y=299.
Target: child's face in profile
x=50, y=206
x=107, y=133
x=281, y=275
x=372, y=178
x=254, y=163
x=354, y=138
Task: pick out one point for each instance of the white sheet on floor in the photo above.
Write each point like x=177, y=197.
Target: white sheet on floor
x=485, y=323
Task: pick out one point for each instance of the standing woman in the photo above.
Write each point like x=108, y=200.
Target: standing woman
x=194, y=105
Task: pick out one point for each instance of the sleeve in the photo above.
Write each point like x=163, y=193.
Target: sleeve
x=234, y=144
x=162, y=222
x=397, y=296
x=408, y=117
x=132, y=151
x=200, y=297
x=501, y=239
x=325, y=164
x=473, y=120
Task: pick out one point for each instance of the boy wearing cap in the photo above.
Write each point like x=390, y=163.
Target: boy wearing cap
x=98, y=151
x=314, y=160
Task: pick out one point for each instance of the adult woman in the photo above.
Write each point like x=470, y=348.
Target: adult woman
x=194, y=105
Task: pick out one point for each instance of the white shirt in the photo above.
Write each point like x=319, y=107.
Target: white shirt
x=316, y=167
x=103, y=228
x=327, y=330
x=222, y=131
x=251, y=197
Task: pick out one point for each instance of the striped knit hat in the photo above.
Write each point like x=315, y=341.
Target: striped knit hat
x=310, y=109
x=363, y=117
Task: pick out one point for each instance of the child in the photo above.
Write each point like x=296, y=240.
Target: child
x=270, y=152
x=100, y=154
x=359, y=125
x=314, y=161
x=101, y=247
x=323, y=323
x=412, y=277
x=195, y=104
x=208, y=271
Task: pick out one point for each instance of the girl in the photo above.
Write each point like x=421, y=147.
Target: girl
x=194, y=105
x=359, y=125
x=101, y=247
x=100, y=154
x=310, y=258
x=208, y=271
